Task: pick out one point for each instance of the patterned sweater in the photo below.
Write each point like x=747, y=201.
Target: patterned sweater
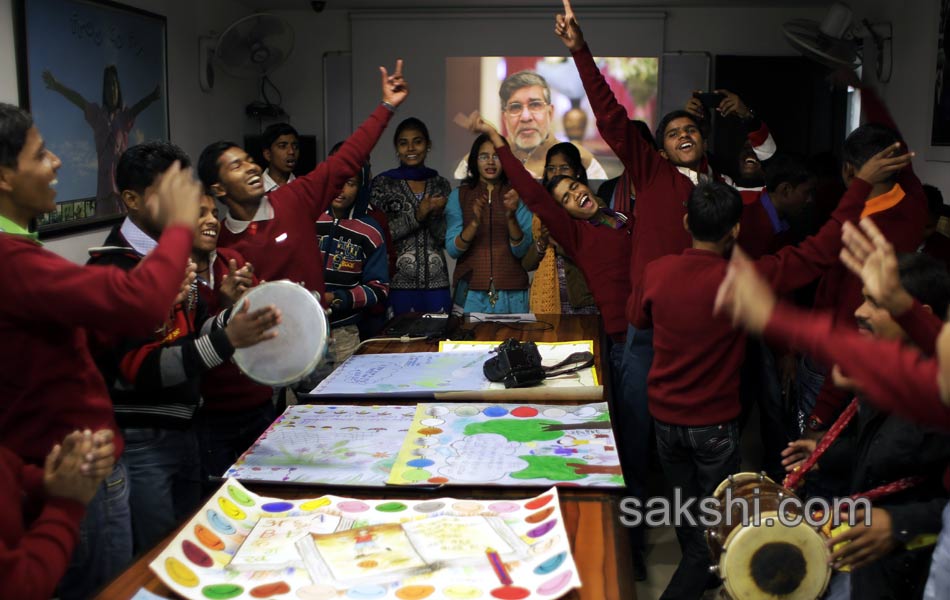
x=420, y=262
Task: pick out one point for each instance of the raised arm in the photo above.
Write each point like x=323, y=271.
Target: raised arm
x=144, y=103
x=637, y=155
x=316, y=190
x=107, y=299
x=72, y=95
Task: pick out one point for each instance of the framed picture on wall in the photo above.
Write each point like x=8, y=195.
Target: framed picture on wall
x=94, y=75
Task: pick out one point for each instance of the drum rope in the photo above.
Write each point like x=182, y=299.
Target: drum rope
x=793, y=480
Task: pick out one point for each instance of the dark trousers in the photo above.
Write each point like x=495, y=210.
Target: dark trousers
x=224, y=436
x=695, y=460
x=777, y=421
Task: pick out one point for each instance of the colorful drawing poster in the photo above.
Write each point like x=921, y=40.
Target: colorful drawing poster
x=340, y=445
x=510, y=445
x=407, y=374
x=195, y=564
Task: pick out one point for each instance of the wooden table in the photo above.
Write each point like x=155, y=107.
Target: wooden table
x=600, y=544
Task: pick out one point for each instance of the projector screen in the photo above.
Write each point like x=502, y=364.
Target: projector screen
x=538, y=101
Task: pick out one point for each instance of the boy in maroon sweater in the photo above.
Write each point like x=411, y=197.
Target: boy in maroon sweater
x=52, y=384
x=34, y=552
x=693, y=384
x=274, y=230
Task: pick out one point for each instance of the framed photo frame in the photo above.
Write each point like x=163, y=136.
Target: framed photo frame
x=94, y=75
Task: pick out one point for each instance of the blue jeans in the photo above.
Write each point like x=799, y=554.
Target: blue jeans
x=633, y=420
x=839, y=588
x=224, y=437
x=164, y=481
x=423, y=301
x=105, y=539
x=938, y=584
x=695, y=460
x=809, y=378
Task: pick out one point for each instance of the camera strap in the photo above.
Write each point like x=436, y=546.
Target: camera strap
x=574, y=362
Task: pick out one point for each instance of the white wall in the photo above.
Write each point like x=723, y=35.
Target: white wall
x=909, y=94
x=196, y=118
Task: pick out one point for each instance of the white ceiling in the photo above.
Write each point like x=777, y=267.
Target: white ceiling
x=552, y=4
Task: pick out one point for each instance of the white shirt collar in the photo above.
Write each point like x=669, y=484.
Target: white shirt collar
x=140, y=241
x=265, y=212
x=270, y=185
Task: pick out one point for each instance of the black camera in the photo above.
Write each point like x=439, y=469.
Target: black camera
x=517, y=364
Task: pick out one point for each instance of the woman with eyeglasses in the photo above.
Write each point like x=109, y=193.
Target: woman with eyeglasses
x=413, y=197
x=488, y=232
x=558, y=286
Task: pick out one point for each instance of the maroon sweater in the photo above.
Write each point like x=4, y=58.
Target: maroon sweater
x=50, y=384
x=694, y=379
x=285, y=247
x=225, y=388
x=601, y=252
x=902, y=225
x=33, y=556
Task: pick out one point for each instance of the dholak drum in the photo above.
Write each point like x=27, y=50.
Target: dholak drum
x=302, y=335
x=772, y=560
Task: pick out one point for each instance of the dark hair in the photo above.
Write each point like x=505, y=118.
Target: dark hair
x=411, y=123
x=926, y=279
x=667, y=119
x=15, y=123
x=554, y=181
x=866, y=141
x=362, y=177
x=208, y=170
x=111, y=73
x=573, y=157
x=713, y=209
x=522, y=79
x=141, y=164
x=645, y=132
x=274, y=131
x=786, y=168
x=934, y=201
x=472, y=178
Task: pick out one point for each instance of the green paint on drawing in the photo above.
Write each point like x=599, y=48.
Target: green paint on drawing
x=554, y=468
x=517, y=430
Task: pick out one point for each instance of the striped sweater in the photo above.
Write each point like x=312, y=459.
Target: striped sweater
x=154, y=381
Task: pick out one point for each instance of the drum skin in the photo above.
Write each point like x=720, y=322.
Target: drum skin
x=771, y=560
x=302, y=335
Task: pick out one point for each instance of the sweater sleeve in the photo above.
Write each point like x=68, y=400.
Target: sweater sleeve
x=453, y=224
x=640, y=159
x=374, y=279
x=43, y=287
x=908, y=387
x=762, y=142
x=922, y=326
x=560, y=224
x=876, y=112
x=643, y=318
x=32, y=566
x=156, y=365
x=314, y=191
x=524, y=217
x=795, y=266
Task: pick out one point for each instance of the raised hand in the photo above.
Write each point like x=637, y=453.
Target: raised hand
x=883, y=165
x=236, y=281
x=187, y=283
x=732, y=104
x=395, y=89
x=478, y=210
x=695, y=107
x=744, y=295
x=511, y=200
x=248, y=328
x=176, y=197
x=566, y=28
x=872, y=258
x=49, y=80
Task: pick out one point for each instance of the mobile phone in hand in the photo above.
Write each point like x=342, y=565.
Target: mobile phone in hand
x=709, y=100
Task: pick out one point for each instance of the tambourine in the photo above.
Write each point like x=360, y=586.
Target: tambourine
x=302, y=335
